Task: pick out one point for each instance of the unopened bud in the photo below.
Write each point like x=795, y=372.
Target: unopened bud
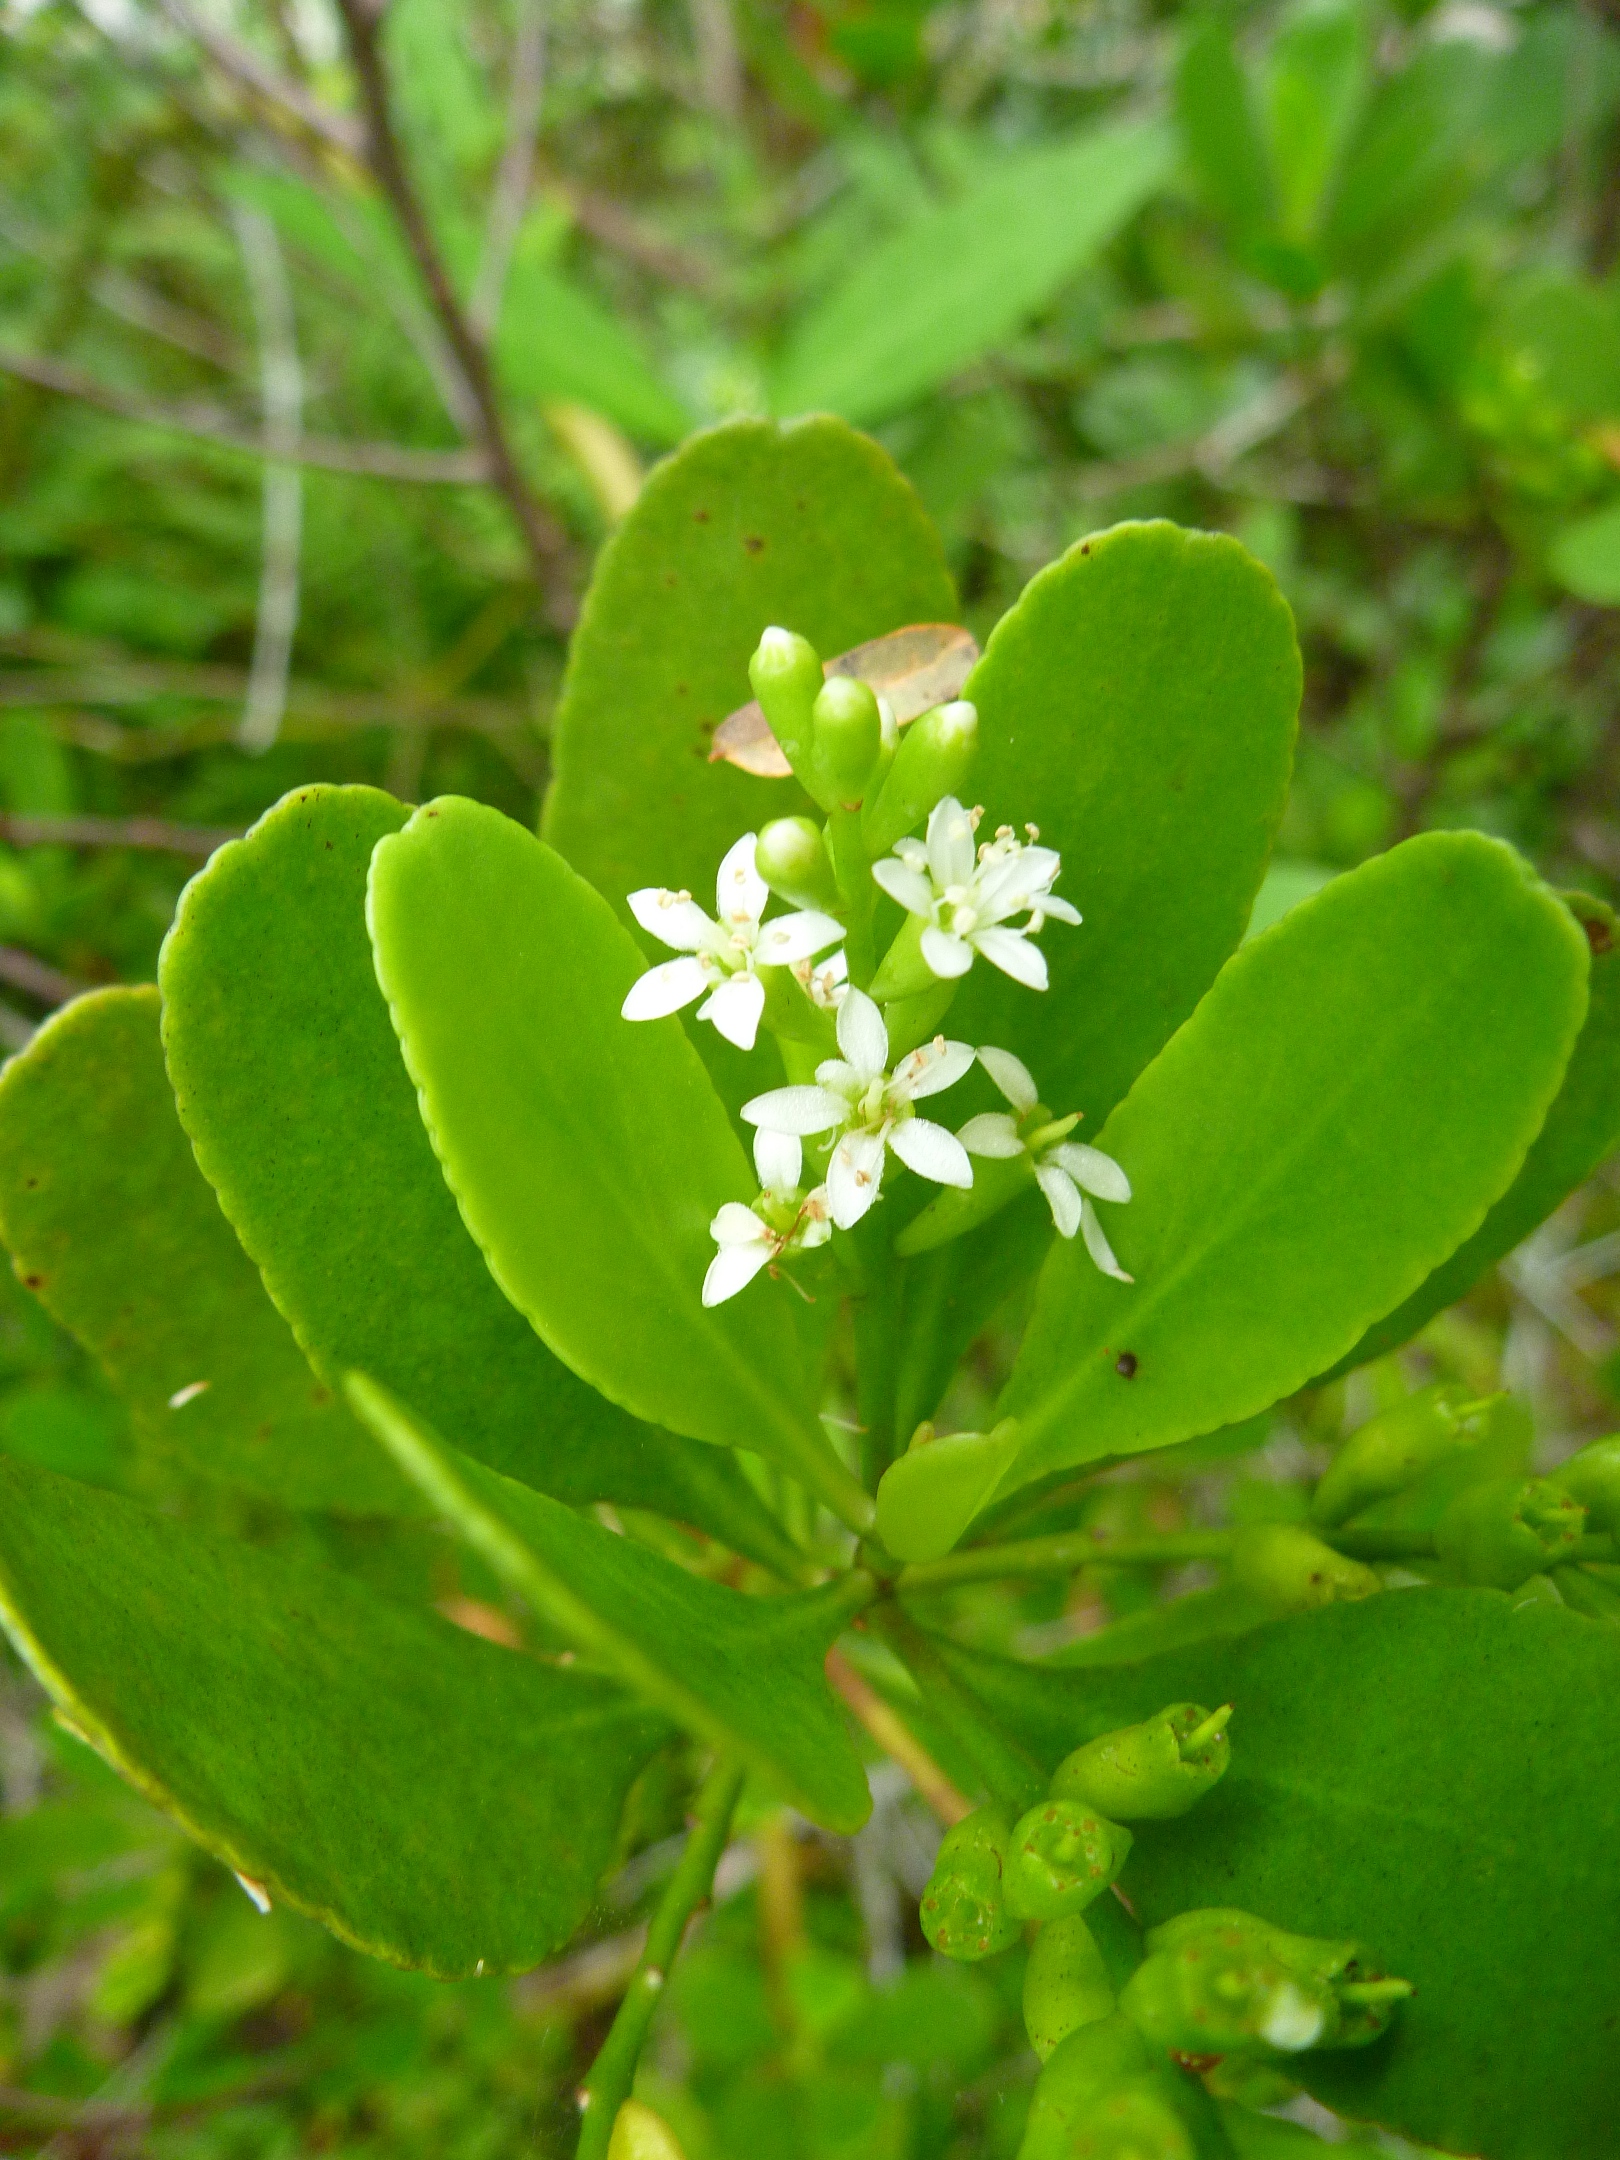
x=964, y=1909
x=1061, y=1855
x=787, y=679
x=1150, y=1772
x=1394, y=1449
x=1505, y=1530
x=1593, y=1478
x=846, y=741
x=1066, y=1984
x=791, y=856
x=1294, y=1571
x=1103, y=2095
x=931, y=762
x=639, y=2134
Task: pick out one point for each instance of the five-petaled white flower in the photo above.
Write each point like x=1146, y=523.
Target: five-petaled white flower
x=870, y=1109
x=722, y=957
x=781, y=1220
x=965, y=899
x=1067, y=1171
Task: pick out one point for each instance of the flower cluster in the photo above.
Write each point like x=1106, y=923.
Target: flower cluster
x=812, y=977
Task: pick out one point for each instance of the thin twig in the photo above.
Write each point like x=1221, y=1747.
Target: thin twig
x=509, y=197
x=282, y=391
x=37, y=978
x=615, y=227
x=1061, y=1555
x=544, y=537
x=286, y=99
x=156, y=835
x=382, y=461
x=894, y=1737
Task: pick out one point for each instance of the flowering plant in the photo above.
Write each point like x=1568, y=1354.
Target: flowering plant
x=427, y=1185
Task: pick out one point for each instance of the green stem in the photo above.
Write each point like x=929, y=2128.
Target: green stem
x=853, y=870
x=607, y=2085
x=1061, y=1555
x=1380, y=1544
x=1013, y=1780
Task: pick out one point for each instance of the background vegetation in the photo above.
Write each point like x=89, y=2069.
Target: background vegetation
x=329, y=351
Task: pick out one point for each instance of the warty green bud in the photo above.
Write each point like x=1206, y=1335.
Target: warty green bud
x=1294, y=1571
x=1060, y=1856
x=1150, y=1772
x=1505, y=1530
x=1395, y=1448
x=1593, y=1478
x=964, y=1911
x=1066, y=1984
x=791, y=856
x=786, y=674
x=846, y=741
x=931, y=761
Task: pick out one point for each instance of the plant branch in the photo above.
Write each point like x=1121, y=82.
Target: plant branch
x=382, y=461
x=894, y=1737
x=155, y=834
x=285, y=99
x=1012, y=1779
x=509, y=197
x=1061, y=1555
x=543, y=536
x=37, y=978
x=607, y=2084
x=282, y=522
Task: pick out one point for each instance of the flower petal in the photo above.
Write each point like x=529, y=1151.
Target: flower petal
x=930, y=1068
x=1061, y=1197
x=796, y=937
x=732, y=1269
x=854, y=1176
x=1014, y=954
x=664, y=989
x=1092, y=1170
x=1059, y=910
x=1018, y=879
x=907, y=886
x=815, y=1226
x=931, y=1151
x=993, y=1134
x=862, y=1036
x=735, y=1006
x=738, y=1225
x=778, y=1158
x=947, y=956
x=950, y=843
x=1098, y=1246
x=1012, y=1076
x=740, y=893
x=672, y=919
x=796, y=1110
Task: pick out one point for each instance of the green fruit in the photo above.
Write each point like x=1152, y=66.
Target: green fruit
x=1394, y=1449
x=1502, y=1532
x=1593, y=1478
x=1066, y=1984
x=1150, y=1772
x=964, y=1909
x=1061, y=1855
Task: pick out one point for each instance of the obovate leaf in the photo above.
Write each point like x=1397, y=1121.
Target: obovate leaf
x=743, y=1673
x=1581, y=1132
x=1359, y=1086
x=588, y=1153
x=113, y=1227
x=1429, y=1772
x=290, y=1082
x=958, y=280
x=433, y=1799
x=1585, y=557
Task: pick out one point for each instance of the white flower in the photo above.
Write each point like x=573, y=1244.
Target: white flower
x=724, y=956
x=966, y=902
x=823, y=985
x=781, y=1220
x=1066, y=1170
x=870, y=1109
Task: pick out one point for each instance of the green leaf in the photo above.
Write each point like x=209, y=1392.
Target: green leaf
x=291, y=1085
x=434, y=1800
x=1415, y=159
x=1585, y=557
x=1581, y=1132
x=110, y=1223
x=588, y=1153
x=809, y=526
x=1360, y=1085
x=1138, y=705
x=1284, y=886
x=1428, y=1772
x=1219, y=131
x=743, y=1673
x=557, y=341
x=1316, y=78
x=961, y=278
x=1271, y=2137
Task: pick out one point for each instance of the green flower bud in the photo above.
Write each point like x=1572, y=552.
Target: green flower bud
x=964, y=1911
x=639, y=2134
x=931, y=761
x=1061, y=1855
x=1362, y=2001
x=1294, y=1571
x=847, y=738
x=1066, y=1984
x=1394, y=1449
x=1593, y=1478
x=787, y=679
x=1505, y=1530
x=1150, y=1772
x=1103, y=2096
x=791, y=856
